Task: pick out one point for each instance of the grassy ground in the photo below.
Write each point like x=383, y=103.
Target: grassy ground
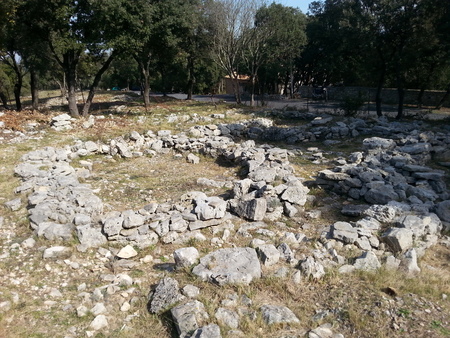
x=382, y=304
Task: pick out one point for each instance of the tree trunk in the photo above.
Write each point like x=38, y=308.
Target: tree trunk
x=237, y=92
x=286, y=82
x=163, y=82
x=34, y=89
x=145, y=71
x=146, y=92
x=98, y=76
x=4, y=100
x=252, y=97
x=18, y=86
x=17, y=90
x=70, y=61
x=381, y=77
x=291, y=82
x=17, y=68
x=191, y=80
x=72, y=93
x=62, y=88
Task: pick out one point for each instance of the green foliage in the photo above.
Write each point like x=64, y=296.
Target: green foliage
x=352, y=104
x=188, y=45
x=284, y=45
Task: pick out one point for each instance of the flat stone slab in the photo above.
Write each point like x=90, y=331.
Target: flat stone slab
x=229, y=266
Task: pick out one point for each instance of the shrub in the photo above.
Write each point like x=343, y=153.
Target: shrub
x=351, y=104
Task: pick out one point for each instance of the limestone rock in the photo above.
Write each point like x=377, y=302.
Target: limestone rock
x=254, y=209
x=233, y=265
x=90, y=237
x=210, y=208
x=99, y=322
x=398, y=239
x=112, y=225
x=189, y=317
x=190, y=291
x=382, y=195
x=165, y=294
x=194, y=159
x=421, y=225
x=353, y=210
x=295, y=193
x=208, y=331
x=186, y=257
x=14, y=204
x=378, y=143
x=382, y=213
x=443, y=210
x=54, y=231
x=127, y=252
x=409, y=262
x=227, y=317
x=268, y=254
x=345, y=232
x=312, y=269
x=273, y=314
x=392, y=263
x=57, y=252
x=368, y=261
x=132, y=219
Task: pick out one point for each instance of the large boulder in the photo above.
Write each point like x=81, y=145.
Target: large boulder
x=252, y=209
x=398, y=239
x=231, y=265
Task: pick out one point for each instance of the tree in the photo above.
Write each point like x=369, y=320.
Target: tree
x=285, y=32
x=11, y=37
x=196, y=44
x=138, y=16
x=232, y=19
x=5, y=87
x=442, y=24
x=73, y=29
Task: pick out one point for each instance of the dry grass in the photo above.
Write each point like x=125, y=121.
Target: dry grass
x=357, y=305
x=162, y=178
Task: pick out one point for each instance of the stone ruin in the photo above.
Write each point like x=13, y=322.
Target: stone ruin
x=403, y=205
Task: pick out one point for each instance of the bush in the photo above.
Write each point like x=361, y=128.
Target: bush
x=351, y=104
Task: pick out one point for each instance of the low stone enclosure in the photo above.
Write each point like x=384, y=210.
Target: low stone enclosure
x=400, y=205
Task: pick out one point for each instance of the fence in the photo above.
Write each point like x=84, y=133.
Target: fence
x=388, y=95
